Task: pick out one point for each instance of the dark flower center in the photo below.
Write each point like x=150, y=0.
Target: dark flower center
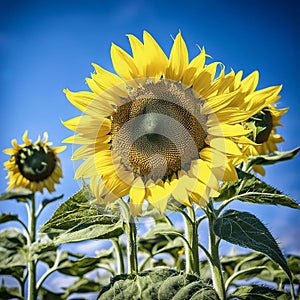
x=263, y=120
x=158, y=130
x=36, y=162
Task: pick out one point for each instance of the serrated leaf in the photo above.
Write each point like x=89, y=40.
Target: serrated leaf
x=246, y=230
x=7, y=218
x=245, y=274
x=82, y=285
x=13, y=252
x=78, y=220
x=78, y=267
x=45, y=294
x=158, y=237
x=274, y=157
x=18, y=194
x=251, y=189
x=11, y=239
x=45, y=202
x=255, y=292
x=159, y=283
x=9, y=293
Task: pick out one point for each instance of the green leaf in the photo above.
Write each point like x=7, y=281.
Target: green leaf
x=245, y=274
x=7, y=218
x=18, y=194
x=45, y=202
x=79, y=267
x=78, y=220
x=158, y=237
x=11, y=239
x=159, y=283
x=13, y=252
x=9, y=292
x=273, y=158
x=45, y=294
x=246, y=230
x=82, y=285
x=257, y=292
x=253, y=190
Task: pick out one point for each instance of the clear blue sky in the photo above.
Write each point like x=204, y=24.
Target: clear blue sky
x=46, y=46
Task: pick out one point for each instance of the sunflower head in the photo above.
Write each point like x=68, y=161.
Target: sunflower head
x=163, y=127
x=264, y=133
x=33, y=166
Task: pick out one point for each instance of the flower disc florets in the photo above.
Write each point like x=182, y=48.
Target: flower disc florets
x=158, y=130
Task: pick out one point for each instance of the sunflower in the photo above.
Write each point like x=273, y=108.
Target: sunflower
x=163, y=127
x=264, y=133
x=33, y=166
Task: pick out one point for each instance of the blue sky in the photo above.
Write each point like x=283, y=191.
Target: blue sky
x=46, y=46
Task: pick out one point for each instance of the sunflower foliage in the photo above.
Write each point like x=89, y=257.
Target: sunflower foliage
x=161, y=249
x=20, y=248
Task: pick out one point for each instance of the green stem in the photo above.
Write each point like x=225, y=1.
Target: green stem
x=32, y=263
x=49, y=271
x=131, y=233
x=191, y=247
x=119, y=255
x=216, y=267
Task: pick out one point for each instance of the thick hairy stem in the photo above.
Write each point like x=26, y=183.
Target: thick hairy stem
x=119, y=255
x=191, y=250
x=32, y=264
x=131, y=233
x=216, y=267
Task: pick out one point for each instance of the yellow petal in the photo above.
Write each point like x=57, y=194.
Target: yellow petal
x=156, y=59
x=213, y=156
x=228, y=130
x=179, y=192
x=108, y=81
x=123, y=63
x=249, y=84
x=99, y=126
x=179, y=59
x=158, y=197
x=201, y=170
x=9, y=151
x=225, y=145
x=137, y=49
x=87, y=169
x=137, y=196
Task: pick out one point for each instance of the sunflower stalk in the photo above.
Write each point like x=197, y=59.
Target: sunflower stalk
x=191, y=249
x=131, y=234
x=215, y=263
x=119, y=255
x=32, y=263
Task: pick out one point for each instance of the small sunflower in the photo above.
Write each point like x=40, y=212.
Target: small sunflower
x=164, y=126
x=264, y=133
x=33, y=166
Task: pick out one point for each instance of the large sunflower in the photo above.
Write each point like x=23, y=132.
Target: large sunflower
x=163, y=127
x=33, y=166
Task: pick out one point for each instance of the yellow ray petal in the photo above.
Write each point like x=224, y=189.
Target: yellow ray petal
x=201, y=170
x=156, y=59
x=109, y=82
x=99, y=126
x=225, y=145
x=87, y=169
x=123, y=63
x=249, y=84
x=137, y=49
x=137, y=195
x=228, y=130
x=179, y=59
